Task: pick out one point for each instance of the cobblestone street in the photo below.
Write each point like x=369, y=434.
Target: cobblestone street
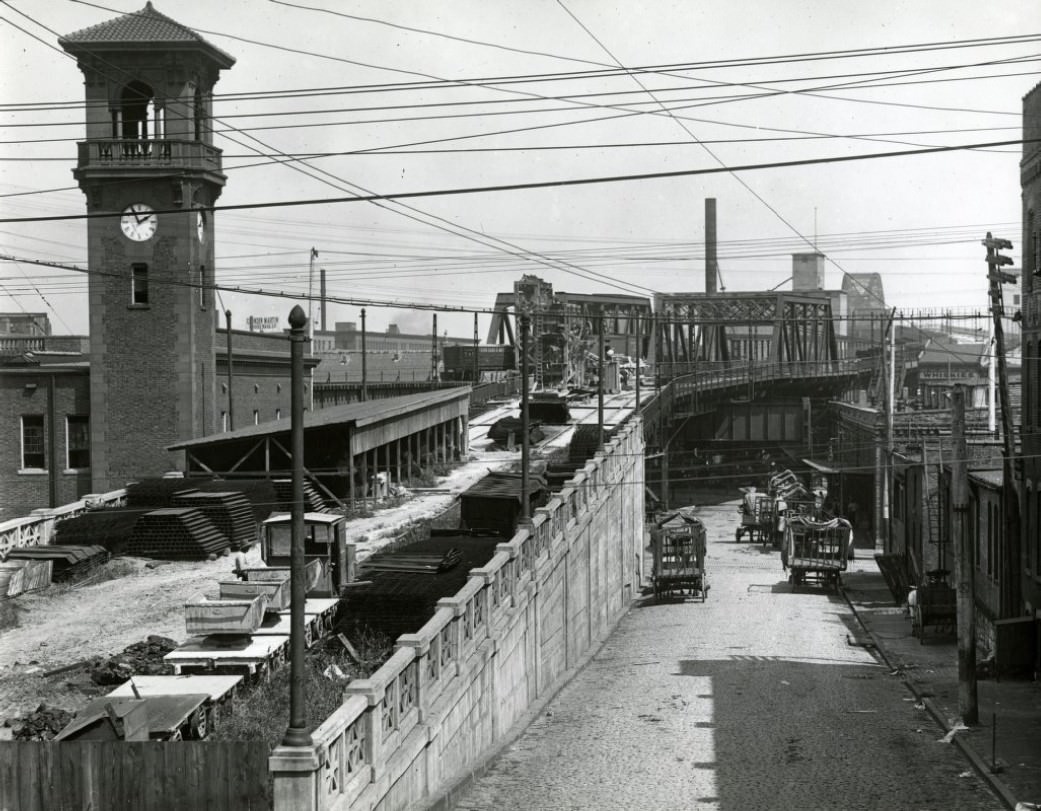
x=755, y=699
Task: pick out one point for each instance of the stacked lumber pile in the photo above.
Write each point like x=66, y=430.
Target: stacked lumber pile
x=176, y=533
x=20, y=576
x=417, y=563
x=155, y=493
x=229, y=511
x=69, y=562
x=313, y=502
x=398, y=600
x=110, y=528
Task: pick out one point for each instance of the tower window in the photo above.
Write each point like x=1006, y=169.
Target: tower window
x=77, y=429
x=139, y=284
x=34, y=446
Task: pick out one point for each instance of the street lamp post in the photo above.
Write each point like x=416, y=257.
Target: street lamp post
x=297, y=734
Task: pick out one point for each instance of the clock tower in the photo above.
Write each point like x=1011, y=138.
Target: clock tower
x=150, y=174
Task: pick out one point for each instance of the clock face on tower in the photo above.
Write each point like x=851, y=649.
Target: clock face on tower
x=138, y=222
x=200, y=226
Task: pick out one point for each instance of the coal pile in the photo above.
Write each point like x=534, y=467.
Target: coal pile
x=585, y=441
x=40, y=725
x=501, y=431
x=494, y=503
x=230, y=512
x=401, y=601
x=110, y=528
x=176, y=533
x=140, y=659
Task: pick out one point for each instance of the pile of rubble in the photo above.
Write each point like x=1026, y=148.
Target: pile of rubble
x=40, y=725
x=140, y=659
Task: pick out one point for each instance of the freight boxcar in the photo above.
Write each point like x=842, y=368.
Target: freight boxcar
x=459, y=360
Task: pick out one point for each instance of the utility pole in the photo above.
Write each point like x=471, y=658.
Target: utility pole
x=600, y=381
x=525, y=514
x=364, y=361
x=433, y=352
x=231, y=411
x=477, y=367
x=1010, y=588
x=964, y=575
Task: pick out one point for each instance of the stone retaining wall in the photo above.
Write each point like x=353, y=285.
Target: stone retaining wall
x=454, y=689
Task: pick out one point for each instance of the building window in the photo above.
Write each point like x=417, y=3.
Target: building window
x=139, y=284
x=278, y=413
x=202, y=287
x=224, y=420
x=256, y=417
x=77, y=433
x=34, y=448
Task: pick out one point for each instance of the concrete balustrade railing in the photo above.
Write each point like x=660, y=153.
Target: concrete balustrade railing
x=38, y=528
x=453, y=689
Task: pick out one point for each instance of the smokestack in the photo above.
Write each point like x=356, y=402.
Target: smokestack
x=322, y=294
x=710, y=245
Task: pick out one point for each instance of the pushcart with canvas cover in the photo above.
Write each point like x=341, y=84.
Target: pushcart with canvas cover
x=816, y=551
x=679, y=541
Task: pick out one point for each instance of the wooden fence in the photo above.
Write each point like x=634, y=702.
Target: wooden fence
x=134, y=776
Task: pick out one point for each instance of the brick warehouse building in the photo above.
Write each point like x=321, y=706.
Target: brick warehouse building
x=46, y=447
x=1030, y=500
x=156, y=369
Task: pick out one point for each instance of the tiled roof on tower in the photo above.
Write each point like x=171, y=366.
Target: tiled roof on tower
x=146, y=27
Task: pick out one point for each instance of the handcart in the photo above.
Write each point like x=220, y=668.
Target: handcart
x=679, y=545
x=756, y=516
x=935, y=603
x=816, y=551
x=789, y=498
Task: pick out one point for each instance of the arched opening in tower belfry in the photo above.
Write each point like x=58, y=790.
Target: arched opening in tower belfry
x=138, y=116
x=199, y=115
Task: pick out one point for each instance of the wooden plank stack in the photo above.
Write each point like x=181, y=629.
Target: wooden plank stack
x=176, y=533
x=20, y=576
x=313, y=502
x=70, y=562
x=229, y=511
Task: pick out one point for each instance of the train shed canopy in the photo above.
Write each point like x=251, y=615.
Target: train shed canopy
x=340, y=441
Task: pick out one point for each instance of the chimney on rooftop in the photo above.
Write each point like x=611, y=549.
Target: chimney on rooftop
x=711, y=269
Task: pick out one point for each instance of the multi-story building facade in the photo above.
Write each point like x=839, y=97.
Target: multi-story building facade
x=1030, y=252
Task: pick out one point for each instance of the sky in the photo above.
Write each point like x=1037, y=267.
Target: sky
x=443, y=96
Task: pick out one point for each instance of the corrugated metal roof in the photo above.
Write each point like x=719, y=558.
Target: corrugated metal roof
x=357, y=414
x=146, y=26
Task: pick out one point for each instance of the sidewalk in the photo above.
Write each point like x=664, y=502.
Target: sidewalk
x=1009, y=733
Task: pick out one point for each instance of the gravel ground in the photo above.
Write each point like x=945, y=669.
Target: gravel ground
x=63, y=625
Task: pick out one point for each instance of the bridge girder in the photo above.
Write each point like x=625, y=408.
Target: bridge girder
x=771, y=327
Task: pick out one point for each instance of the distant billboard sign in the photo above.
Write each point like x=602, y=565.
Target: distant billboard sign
x=263, y=323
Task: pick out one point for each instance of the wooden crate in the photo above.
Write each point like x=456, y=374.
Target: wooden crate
x=277, y=592
x=206, y=617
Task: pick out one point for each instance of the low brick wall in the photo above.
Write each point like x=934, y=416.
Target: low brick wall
x=454, y=689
